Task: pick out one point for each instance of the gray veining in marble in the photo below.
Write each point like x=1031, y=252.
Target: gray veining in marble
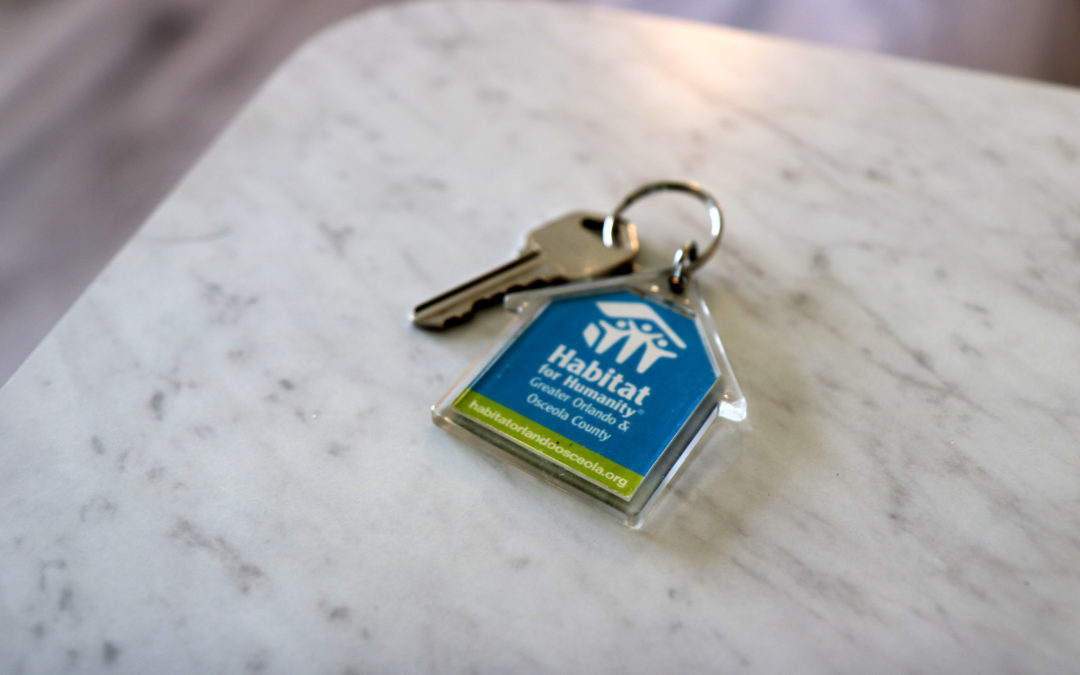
x=222, y=458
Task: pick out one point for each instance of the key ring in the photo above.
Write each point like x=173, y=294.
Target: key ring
x=686, y=257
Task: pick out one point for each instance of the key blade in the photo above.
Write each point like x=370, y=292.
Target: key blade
x=458, y=304
x=569, y=248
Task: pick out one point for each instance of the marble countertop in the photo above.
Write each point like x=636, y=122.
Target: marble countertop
x=222, y=459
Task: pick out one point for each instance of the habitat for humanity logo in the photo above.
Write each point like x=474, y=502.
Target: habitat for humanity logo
x=638, y=327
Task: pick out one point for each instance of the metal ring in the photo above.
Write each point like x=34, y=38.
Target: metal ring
x=716, y=216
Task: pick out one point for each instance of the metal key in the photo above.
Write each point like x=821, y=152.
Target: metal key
x=569, y=248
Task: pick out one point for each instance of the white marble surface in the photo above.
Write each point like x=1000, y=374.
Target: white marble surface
x=222, y=459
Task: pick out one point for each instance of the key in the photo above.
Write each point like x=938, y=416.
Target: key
x=569, y=248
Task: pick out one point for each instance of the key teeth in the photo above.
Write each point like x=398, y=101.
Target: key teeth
x=454, y=320
x=481, y=303
x=447, y=323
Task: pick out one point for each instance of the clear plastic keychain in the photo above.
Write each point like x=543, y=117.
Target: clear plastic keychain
x=605, y=388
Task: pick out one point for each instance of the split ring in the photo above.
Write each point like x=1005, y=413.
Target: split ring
x=716, y=218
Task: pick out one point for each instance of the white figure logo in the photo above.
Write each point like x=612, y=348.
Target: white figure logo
x=636, y=327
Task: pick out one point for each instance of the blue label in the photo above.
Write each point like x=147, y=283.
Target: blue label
x=615, y=373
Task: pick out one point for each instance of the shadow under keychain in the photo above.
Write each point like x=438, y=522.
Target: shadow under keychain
x=603, y=388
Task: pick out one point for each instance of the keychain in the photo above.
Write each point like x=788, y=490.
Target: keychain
x=601, y=387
